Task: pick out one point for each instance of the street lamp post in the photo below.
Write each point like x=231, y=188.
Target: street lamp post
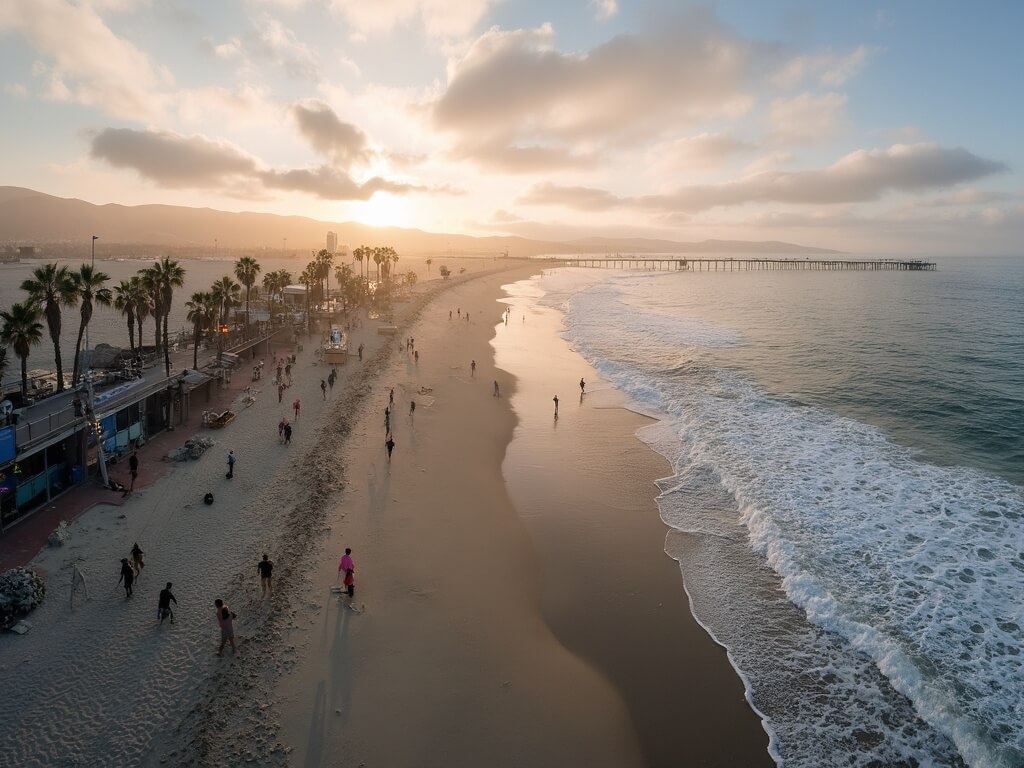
x=94, y=239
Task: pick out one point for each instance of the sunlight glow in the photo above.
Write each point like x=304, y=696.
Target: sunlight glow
x=383, y=210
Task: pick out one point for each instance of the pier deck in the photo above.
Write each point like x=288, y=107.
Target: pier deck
x=745, y=263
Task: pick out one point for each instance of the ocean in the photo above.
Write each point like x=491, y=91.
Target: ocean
x=848, y=462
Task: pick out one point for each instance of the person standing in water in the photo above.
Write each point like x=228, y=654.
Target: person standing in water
x=266, y=569
x=472, y=368
x=163, y=605
x=127, y=576
x=556, y=405
x=348, y=567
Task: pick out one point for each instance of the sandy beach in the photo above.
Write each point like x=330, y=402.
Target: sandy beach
x=513, y=601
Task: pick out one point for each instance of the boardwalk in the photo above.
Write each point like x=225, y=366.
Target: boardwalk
x=744, y=264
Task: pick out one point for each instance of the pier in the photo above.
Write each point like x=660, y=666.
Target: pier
x=746, y=264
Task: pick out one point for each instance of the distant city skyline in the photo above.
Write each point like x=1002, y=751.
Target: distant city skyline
x=885, y=128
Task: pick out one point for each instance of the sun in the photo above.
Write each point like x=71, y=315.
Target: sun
x=383, y=210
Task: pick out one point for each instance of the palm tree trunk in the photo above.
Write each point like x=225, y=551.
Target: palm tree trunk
x=139, y=321
x=24, y=381
x=195, y=346
x=247, y=311
x=54, y=325
x=131, y=333
x=156, y=320
x=167, y=348
x=78, y=348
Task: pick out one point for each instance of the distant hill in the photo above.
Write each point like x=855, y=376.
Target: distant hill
x=28, y=217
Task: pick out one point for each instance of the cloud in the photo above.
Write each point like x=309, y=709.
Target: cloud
x=91, y=65
x=513, y=88
x=860, y=176
x=345, y=143
x=805, y=118
x=274, y=41
x=170, y=159
x=829, y=70
x=439, y=18
x=604, y=9
x=332, y=184
x=175, y=161
x=580, y=198
x=702, y=152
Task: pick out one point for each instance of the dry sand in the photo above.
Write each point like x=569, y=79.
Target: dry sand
x=484, y=640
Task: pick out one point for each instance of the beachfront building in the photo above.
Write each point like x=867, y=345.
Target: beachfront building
x=55, y=444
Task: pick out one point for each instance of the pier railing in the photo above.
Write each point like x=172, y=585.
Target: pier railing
x=744, y=264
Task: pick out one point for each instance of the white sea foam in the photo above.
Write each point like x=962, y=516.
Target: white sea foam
x=913, y=569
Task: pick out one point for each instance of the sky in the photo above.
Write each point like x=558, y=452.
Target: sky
x=888, y=128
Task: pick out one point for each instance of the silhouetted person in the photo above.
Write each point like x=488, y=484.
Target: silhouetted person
x=583, y=387
x=133, y=470
x=127, y=576
x=231, y=465
x=163, y=605
x=556, y=405
x=266, y=569
x=390, y=445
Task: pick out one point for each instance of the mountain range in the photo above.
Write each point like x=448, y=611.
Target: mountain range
x=66, y=225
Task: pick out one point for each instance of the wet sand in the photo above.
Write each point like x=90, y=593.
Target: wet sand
x=529, y=617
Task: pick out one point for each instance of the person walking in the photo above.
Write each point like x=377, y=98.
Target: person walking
x=137, y=562
x=231, y=465
x=387, y=421
x=323, y=388
x=583, y=387
x=280, y=392
x=556, y=405
x=332, y=377
x=133, y=471
x=416, y=356
x=297, y=406
x=287, y=434
x=390, y=445
x=280, y=429
x=225, y=620
x=127, y=576
x=497, y=392
x=163, y=605
x=288, y=373
x=360, y=352
x=347, y=566
x=472, y=368
x=266, y=569
x=391, y=398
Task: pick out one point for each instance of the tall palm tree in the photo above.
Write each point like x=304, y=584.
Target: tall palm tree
x=358, y=254
x=150, y=281
x=378, y=257
x=202, y=308
x=89, y=285
x=246, y=270
x=308, y=277
x=392, y=256
x=22, y=330
x=142, y=302
x=429, y=262
x=124, y=302
x=226, y=294
x=51, y=288
x=324, y=260
x=167, y=275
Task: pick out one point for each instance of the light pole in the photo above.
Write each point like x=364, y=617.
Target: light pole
x=94, y=239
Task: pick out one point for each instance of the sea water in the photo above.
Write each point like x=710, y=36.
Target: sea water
x=846, y=504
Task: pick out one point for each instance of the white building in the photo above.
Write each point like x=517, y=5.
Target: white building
x=332, y=243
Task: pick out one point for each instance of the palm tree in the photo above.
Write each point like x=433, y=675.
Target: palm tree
x=226, y=293
x=51, y=288
x=124, y=302
x=429, y=262
x=308, y=277
x=246, y=270
x=22, y=330
x=89, y=286
x=358, y=254
x=163, y=277
x=324, y=260
x=142, y=302
x=202, y=309
x=392, y=255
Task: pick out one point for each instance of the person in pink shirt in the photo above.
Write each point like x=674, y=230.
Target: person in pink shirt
x=348, y=567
